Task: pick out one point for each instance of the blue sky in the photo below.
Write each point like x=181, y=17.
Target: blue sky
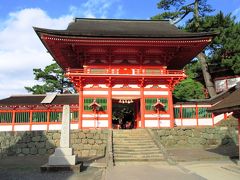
x=21, y=50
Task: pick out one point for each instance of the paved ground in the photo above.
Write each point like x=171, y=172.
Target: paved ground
x=193, y=164
x=28, y=168
x=152, y=171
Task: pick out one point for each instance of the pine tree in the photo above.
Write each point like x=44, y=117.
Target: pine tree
x=51, y=80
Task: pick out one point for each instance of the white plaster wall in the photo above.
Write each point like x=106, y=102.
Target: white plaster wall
x=55, y=126
x=155, y=92
x=21, y=127
x=178, y=122
x=88, y=123
x=189, y=122
x=205, y=122
x=125, y=92
x=102, y=123
x=39, y=127
x=218, y=118
x=95, y=92
x=94, y=115
x=156, y=115
x=6, y=128
x=164, y=123
x=73, y=126
x=151, y=123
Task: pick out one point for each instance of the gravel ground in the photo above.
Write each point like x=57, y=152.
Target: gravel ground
x=28, y=168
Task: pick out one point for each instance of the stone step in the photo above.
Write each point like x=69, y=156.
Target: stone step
x=129, y=136
x=133, y=143
x=135, y=146
x=157, y=151
x=118, y=159
x=139, y=156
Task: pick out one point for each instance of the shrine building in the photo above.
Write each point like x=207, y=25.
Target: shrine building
x=117, y=64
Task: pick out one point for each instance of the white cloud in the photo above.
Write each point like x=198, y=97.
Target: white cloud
x=236, y=13
x=21, y=49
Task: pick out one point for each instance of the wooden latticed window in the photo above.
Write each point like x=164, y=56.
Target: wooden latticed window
x=188, y=112
x=22, y=117
x=101, y=101
x=39, y=117
x=5, y=117
x=150, y=101
x=55, y=116
x=74, y=116
x=177, y=113
x=203, y=113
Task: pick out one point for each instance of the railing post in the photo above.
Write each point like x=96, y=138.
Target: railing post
x=13, y=119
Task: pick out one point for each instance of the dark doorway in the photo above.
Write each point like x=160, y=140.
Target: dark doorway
x=124, y=113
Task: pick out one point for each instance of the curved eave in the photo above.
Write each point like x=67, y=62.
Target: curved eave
x=74, y=34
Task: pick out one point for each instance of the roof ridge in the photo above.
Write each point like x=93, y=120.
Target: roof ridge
x=113, y=19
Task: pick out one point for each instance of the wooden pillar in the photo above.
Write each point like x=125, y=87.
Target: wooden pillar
x=48, y=118
x=196, y=110
x=239, y=140
x=142, y=106
x=13, y=119
x=170, y=106
x=81, y=105
x=109, y=105
x=30, y=118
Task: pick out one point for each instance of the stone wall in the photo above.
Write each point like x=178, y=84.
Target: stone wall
x=204, y=137
x=85, y=143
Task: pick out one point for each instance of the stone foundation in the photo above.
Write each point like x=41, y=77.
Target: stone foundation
x=204, y=137
x=85, y=143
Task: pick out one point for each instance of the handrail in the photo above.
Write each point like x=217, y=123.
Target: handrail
x=117, y=71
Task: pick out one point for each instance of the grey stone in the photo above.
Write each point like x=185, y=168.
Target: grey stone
x=36, y=138
x=56, y=136
x=25, y=151
x=40, y=144
x=42, y=151
x=33, y=151
x=91, y=141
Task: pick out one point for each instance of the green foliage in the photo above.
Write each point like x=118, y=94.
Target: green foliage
x=177, y=10
x=52, y=80
x=189, y=89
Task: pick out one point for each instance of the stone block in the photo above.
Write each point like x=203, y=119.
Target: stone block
x=61, y=160
x=33, y=151
x=99, y=141
x=40, y=145
x=84, y=141
x=85, y=153
x=87, y=146
x=42, y=151
x=91, y=141
x=89, y=135
x=56, y=136
x=63, y=152
x=92, y=152
x=36, y=138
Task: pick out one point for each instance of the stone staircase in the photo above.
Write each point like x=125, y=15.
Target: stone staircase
x=135, y=145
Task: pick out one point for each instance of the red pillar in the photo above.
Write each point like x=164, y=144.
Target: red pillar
x=13, y=119
x=81, y=104
x=109, y=106
x=30, y=118
x=170, y=106
x=239, y=140
x=142, y=104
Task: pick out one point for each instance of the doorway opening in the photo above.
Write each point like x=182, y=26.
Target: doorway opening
x=125, y=113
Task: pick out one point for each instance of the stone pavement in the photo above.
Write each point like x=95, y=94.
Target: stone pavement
x=28, y=168
x=149, y=171
x=193, y=164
